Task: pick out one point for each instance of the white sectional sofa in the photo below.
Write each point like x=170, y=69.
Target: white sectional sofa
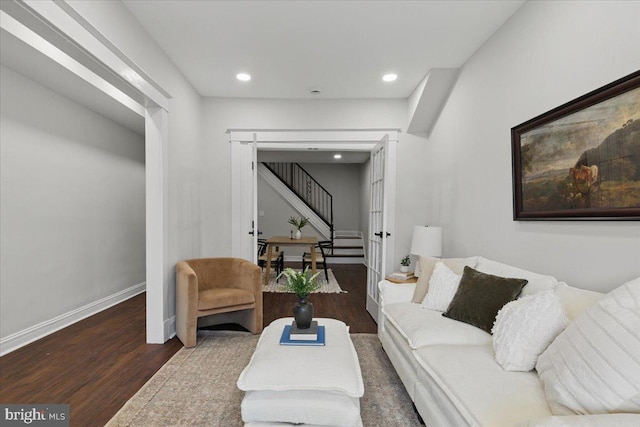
x=449, y=368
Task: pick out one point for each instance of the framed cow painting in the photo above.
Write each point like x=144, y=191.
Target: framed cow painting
x=582, y=159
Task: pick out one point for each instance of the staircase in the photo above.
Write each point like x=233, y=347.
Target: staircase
x=348, y=248
x=313, y=201
x=309, y=191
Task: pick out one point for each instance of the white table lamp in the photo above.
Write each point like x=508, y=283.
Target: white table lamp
x=426, y=241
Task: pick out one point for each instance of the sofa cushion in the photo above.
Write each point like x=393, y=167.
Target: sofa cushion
x=480, y=296
x=442, y=287
x=535, y=282
x=482, y=391
x=593, y=367
x=224, y=297
x=427, y=327
x=599, y=420
x=426, y=264
x=575, y=300
x=524, y=328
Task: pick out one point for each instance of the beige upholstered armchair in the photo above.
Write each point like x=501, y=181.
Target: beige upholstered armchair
x=228, y=287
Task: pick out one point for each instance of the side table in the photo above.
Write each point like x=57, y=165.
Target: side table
x=394, y=280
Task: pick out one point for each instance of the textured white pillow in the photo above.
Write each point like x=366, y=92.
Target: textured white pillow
x=593, y=367
x=443, y=285
x=524, y=328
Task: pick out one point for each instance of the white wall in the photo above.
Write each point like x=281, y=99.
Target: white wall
x=118, y=25
x=220, y=114
x=547, y=54
x=72, y=200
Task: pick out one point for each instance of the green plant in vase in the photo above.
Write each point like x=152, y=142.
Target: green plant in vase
x=405, y=262
x=301, y=283
x=298, y=223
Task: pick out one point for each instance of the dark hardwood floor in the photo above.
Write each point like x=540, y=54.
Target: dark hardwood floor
x=97, y=364
x=94, y=365
x=349, y=307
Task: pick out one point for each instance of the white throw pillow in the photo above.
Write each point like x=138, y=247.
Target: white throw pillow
x=426, y=264
x=524, y=328
x=593, y=367
x=575, y=300
x=443, y=285
x=535, y=282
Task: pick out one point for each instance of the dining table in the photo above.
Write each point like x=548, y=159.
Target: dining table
x=277, y=241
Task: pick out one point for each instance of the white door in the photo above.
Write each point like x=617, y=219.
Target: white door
x=381, y=219
x=244, y=203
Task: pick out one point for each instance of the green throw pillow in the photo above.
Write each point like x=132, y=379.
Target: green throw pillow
x=480, y=296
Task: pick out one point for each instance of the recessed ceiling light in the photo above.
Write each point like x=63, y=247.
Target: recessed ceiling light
x=337, y=156
x=243, y=77
x=389, y=77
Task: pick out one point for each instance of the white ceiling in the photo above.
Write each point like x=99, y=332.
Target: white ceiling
x=340, y=47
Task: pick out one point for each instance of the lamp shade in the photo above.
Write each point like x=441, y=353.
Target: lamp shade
x=426, y=241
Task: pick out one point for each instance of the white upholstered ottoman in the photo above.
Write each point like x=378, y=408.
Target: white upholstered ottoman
x=309, y=385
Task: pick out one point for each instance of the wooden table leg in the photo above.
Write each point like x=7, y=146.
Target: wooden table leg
x=267, y=269
x=313, y=259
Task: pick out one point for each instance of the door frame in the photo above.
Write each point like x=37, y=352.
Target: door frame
x=301, y=140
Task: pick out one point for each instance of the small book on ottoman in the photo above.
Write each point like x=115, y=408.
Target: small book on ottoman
x=309, y=334
x=285, y=339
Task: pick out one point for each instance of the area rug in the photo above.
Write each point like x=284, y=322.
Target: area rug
x=197, y=387
x=330, y=287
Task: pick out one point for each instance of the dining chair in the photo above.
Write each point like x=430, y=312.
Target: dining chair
x=324, y=247
x=277, y=257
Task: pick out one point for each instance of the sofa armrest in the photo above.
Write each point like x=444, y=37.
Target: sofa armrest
x=391, y=293
x=599, y=420
x=186, y=303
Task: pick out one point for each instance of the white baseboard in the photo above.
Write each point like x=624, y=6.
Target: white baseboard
x=19, y=339
x=169, y=328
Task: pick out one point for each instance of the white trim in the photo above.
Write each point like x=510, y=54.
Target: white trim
x=28, y=36
x=300, y=136
x=319, y=145
x=19, y=339
x=156, y=148
x=170, y=327
x=254, y=202
x=63, y=16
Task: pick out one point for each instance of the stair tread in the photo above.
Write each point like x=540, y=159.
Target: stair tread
x=347, y=247
x=347, y=237
x=344, y=255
